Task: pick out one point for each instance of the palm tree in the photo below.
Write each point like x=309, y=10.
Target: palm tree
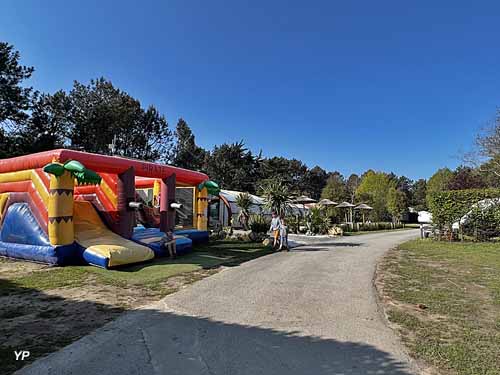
x=318, y=221
x=244, y=201
x=277, y=197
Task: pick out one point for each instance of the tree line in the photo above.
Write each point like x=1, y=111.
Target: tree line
x=90, y=116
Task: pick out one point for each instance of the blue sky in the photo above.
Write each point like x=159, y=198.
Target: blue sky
x=348, y=85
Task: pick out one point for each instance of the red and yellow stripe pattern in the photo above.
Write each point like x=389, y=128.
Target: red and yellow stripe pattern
x=35, y=182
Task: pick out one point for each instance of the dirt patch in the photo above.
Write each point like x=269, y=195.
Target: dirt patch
x=44, y=308
x=442, y=300
x=43, y=321
x=13, y=268
x=387, y=304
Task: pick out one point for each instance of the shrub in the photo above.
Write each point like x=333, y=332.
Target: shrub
x=483, y=223
x=259, y=223
x=448, y=207
x=293, y=222
x=371, y=227
x=317, y=221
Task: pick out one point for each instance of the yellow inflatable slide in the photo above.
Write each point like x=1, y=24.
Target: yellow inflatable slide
x=103, y=247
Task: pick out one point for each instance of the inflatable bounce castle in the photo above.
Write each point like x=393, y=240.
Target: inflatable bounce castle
x=68, y=207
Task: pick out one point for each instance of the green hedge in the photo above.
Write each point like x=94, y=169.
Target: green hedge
x=448, y=207
x=358, y=227
x=483, y=224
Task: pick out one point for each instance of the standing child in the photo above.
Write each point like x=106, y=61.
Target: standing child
x=275, y=228
x=283, y=235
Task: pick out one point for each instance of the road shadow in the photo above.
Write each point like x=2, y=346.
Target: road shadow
x=307, y=249
x=152, y=341
x=325, y=246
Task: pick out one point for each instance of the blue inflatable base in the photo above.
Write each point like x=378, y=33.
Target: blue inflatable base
x=153, y=238
x=95, y=259
x=183, y=245
x=59, y=256
x=22, y=237
x=197, y=236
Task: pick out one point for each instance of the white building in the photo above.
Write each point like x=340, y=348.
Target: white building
x=224, y=207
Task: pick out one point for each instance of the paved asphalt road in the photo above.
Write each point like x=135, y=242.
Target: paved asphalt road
x=312, y=311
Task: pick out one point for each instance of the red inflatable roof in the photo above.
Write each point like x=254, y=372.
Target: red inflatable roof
x=102, y=163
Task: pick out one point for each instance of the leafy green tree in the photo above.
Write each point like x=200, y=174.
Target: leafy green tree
x=352, y=184
x=490, y=172
x=466, y=178
x=49, y=125
x=233, y=166
x=405, y=184
x=337, y=191
x=244, y=202
x=102, y=113
x=15, y=99
x=10, y=144
x=419, y=192
x=393, y=177
x=335, y=188
x=439, y=181
x=373, y=190
x=314, y=181
x=276, y=196
x=291, y=172
x=187, y=154
x=397, y=204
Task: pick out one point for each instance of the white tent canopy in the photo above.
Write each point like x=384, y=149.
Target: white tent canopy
x=257, y=206
x=232, y=195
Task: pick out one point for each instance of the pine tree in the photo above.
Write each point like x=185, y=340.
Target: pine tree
x=187, y=154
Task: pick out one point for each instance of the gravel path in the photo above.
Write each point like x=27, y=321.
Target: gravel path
x=310, y=311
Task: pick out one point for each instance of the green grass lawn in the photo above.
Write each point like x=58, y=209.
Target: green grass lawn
x=144, y=275
x=43, y=308
x=446, y=303
x=207, y=256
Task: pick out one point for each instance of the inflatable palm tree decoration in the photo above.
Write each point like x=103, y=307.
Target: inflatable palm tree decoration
x=83, y=175
x=60, y=208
